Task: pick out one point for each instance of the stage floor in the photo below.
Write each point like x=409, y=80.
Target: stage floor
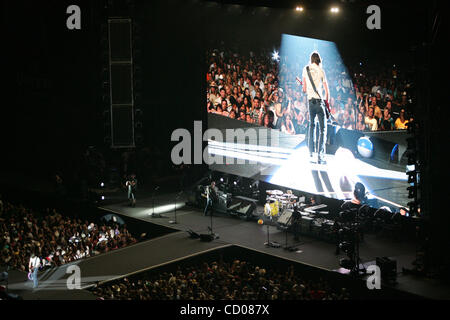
x=249, y=234
x=231, y=230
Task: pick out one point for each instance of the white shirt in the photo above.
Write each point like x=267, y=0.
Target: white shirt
x=35, y=262
x=267, y=209
x=346, y=82
x=318, y=77
x=375, y=89
x=208, y=192
x=372, y=123
x=275, y=117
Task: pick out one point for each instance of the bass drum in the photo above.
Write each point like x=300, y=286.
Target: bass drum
x=274, y=208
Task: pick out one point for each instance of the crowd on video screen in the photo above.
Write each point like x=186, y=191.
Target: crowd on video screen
x=255, y=88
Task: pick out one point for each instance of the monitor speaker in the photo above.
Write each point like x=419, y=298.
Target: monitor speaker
x=206, y=237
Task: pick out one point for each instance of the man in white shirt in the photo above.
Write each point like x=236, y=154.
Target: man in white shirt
x=370, y=120
x=375, y=88
x=268, y=209
x=33, y=267
x=316, y=109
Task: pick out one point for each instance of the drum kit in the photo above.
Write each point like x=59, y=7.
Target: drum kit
x=278, y=201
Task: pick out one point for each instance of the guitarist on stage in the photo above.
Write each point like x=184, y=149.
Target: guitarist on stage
x=131, y=185
x=211, y=196
x=314, y=82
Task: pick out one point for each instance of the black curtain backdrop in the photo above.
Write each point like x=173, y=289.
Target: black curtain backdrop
x=54, y=105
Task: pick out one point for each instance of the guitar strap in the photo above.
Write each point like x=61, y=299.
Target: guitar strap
x=314, y=88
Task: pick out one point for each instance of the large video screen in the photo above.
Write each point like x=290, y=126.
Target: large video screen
x=259, y=117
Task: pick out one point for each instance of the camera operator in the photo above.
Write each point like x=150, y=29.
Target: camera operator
x=359, y=197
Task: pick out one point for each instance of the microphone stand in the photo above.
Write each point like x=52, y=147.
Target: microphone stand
x=286, y=235
x=153, y=204
x=213, y=235
x=269, y=243
x=175, y=209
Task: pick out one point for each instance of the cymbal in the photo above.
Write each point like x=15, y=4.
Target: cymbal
x=276, y=192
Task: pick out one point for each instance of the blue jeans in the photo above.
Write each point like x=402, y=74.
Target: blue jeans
x=208, y=205
x=130, y=193
x=316, y=143
x=35, y=277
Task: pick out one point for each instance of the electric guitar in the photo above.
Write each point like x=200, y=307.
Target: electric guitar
x=327, y=105
x=212, y=194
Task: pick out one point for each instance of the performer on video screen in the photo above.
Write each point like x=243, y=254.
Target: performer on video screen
x=314, y=82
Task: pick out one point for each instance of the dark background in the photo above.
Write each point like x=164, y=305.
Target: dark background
x=52, y=107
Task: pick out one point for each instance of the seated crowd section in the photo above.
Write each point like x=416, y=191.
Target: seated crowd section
x=236, y=280
x=258, y=89
x=54, y=238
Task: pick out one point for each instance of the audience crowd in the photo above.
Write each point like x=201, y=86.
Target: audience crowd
x=260, y=90
x=54, y=238
x=238, y=280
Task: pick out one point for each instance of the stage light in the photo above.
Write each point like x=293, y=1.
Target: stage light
x=299, y=8
x=103, y=197
x=382, y=213
x=275, y=55
x=412, y=192
x=348, y=215
x=334, y=9
x=413, y=208
x=235, y=183
x=102, y=184
x=412, y=176
x=347, y=247
x=165, y=208
x=221, y=179
x=365, y=147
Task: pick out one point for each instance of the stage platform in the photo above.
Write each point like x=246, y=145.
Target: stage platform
x=231, y=230
x=248, y=234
